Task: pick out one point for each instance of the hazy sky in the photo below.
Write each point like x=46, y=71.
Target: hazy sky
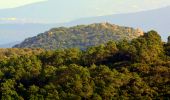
x=68, y=10
x=16, y=3
x=138, y=4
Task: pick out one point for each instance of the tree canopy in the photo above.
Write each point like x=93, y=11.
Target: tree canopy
x=136, y=70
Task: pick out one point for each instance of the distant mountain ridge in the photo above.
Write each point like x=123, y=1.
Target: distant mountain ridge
x=81, y=36
x=156, y=19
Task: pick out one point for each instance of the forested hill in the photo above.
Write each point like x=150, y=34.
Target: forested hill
x=136, y=70
x=81, y=36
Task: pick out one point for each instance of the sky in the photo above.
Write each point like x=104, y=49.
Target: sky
x=68, y=10
x=97, y=4
x=4, y=4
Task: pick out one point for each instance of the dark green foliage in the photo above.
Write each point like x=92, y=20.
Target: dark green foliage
x=167, y=49
x=81, y=36
x=136, y=70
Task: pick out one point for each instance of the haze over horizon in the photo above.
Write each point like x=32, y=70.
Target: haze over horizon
x=66, y=11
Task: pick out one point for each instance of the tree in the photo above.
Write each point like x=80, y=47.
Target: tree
x=151, y=41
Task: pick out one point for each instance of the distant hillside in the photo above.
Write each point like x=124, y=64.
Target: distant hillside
x=81, y=36
x=157, y=19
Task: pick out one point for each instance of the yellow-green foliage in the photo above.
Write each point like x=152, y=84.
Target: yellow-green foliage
x=136, y=70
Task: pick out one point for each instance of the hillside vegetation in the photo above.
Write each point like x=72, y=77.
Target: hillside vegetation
x=81, y=36
x=16, y=52
x=136, y=70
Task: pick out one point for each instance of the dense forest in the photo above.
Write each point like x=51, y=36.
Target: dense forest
x=81, y=36
x=135, y=70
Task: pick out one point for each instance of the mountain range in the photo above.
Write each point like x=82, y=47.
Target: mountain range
x=157, y=19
